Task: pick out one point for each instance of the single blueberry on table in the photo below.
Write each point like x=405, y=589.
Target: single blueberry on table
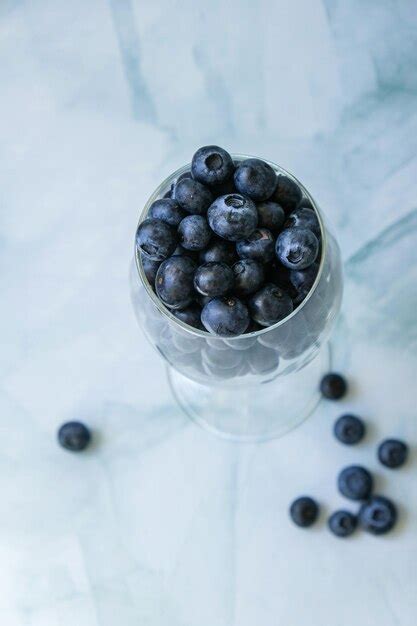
x=304, y=511
x=226, y=317
x=303, y=280
x=255, y=178
x=213, y=279
x=249, y=276
x=333, y=386
x=74, y=436
x=304, y=218
x=192, y=196
x=191, y=315
x=287, y=193
x=194, y=232
x=378, y=516
x=297, y=248
x=355, y=482
x=349, y=429
x=259, y=246
x=392, y=453
x=271, y=215
x=150, y=268
x=156, y=239
x=219, y=251
x=167, y=210
x=212, y=165
x=174, y=282
x=270, y=305
x=233, y=217
x=342, y=523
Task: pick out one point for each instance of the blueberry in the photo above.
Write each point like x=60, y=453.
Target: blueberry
x=270, y=215
x=255, y=178
x=355, y=482
x=74, y=436
x=297, y=248
x=349, y=429
x=214, y=279
x=270, y=305
x=150, y=268
x=192, y=196
x=226, y=317
x=287, y=193
x=249, y=276
x=219, y=251
x=181, y=251
x=167, y=210
x=279, y=275
x=212, y=165
x=191, y=315
x=259, y=246
x=156, y=239
x=203, y=300
x=304, y=218
x=342, y=523
x=378, y=515
x=194, y=232
x=303, y=280
x=262, y=360
x=333, y=386
x=392, y=453
x=233, y=217
x=304, y=511
x=174, y=282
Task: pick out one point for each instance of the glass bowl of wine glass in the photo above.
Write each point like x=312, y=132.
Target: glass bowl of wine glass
x=260, y=384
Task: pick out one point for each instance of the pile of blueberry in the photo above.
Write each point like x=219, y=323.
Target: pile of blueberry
x=377, y=514
x=232, y=247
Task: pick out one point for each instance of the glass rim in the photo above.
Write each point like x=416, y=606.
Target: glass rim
x=204, y=333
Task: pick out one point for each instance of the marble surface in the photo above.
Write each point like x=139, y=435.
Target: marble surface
x=161, y=523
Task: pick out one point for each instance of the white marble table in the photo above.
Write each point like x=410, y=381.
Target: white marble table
x=161, y=523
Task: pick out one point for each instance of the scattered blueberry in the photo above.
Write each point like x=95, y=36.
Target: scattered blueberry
x=304, y=218
x=192, y=196
x=355, y=482
x=270, y=215
x=378, y=515
x=212, y=165
x=156, y=239
x=270, y=305
x=191, y=315
x=259, y=246
x=287, y=193
x=297, y=248
x=233, y=217
x=219, y=251
x=392, y=453
x=304, y=511
x=333, y=386
x=342, y=523
x=174, y=282
x=249, y=276
x=74, y=436
x=256, y=179
x=168, y=211
x=303, y=280
x=213, y=279
x=349, y=429
x=150, y=268
x=226, y=317
x=194, y=232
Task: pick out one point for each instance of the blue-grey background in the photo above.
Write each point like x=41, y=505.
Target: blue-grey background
x=162, y=524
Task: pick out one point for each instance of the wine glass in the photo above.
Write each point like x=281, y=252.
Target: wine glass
x=259, y=385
